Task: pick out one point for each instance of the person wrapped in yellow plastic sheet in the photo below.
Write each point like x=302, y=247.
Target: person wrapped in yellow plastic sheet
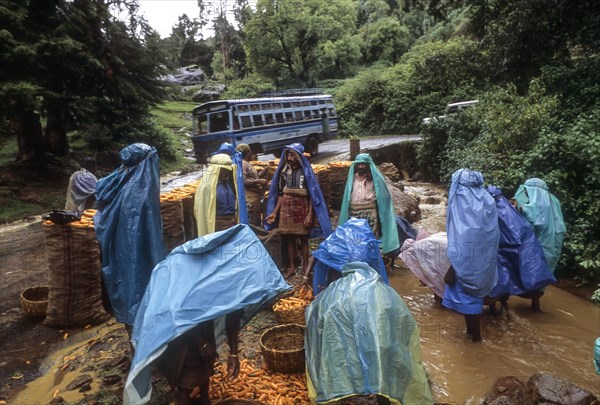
x=216, y=204
x=362, y=340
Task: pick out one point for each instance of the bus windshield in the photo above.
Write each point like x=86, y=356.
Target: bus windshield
x=213, y=122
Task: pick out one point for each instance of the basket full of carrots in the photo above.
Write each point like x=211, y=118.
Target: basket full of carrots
x=291, y=309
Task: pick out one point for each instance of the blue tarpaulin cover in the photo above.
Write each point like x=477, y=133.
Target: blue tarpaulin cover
x=405, y=229
x=129, y=228
x=203, y=279
x=521, y=264
x=473, y=233
x=361, y=339
x=542, y=210
x=352, y=241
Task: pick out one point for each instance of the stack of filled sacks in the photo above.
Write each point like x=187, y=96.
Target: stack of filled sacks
x=177, y=212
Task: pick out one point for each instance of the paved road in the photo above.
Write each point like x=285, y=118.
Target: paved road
x=334, y=149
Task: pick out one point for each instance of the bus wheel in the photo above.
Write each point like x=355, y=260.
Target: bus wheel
x=312, y=146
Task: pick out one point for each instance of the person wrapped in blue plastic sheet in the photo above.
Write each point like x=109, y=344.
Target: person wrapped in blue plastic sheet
x=361, y=339
x=522, y=268
x=218, y=198
x=597, y=355
x=236, y=158
x=366, y=196
x=129, y=228
x=353, y=241
x=296, y=206
x=473, y=237
x=542, y=210
x=204, y=279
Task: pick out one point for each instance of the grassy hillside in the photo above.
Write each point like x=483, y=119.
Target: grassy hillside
x=29, y=188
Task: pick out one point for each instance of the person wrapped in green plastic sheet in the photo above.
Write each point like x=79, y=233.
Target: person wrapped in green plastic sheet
x=366, y=196
x=361, y=339
x=542, y=210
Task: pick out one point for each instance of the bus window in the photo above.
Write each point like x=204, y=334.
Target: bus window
x=286, y=105
x=289, y=116
x=316, y=113
x=279, y=117
x=305, y=103
x=265, y=107
x=219, y=122
x=298, y=115
x=202, y=124
x=243, y=108
x=306, y=114
x=332, y=112
x=255, y=107
x=276, y=106
x=258, y=120
x=269, y=119
x=246, y=123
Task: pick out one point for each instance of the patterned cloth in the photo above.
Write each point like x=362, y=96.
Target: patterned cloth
x=295, y=205
x=367, y=211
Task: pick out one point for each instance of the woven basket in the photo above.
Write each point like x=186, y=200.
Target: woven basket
x=295, y=315
x=283, y=348
x=34, y=301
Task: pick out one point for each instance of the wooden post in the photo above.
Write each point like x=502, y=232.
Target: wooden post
x=354, y=148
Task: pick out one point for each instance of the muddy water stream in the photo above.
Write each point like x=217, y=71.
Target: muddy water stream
x=517, y=342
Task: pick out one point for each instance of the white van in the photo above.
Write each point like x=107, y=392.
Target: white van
x=451, y=108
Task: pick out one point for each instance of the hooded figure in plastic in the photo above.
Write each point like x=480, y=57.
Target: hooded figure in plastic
x=383, y=200
x=522, y=267
x=353, y=351
x=82, y=186
x=542, y=211
x=205, y=202
x=316, y=196
x=427, y=259
x=204, y=279
x=236, y=158
x=473, y=236
x=129, y=228
x=353, y=241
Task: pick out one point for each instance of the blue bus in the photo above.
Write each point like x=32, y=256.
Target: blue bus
x=267, y=124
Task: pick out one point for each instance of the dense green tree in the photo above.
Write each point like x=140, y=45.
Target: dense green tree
x=385, y=40
x=522, y=36
x=285, y=39
x=230, y=52
x=71, y=64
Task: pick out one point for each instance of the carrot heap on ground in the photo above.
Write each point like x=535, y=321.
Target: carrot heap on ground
x=260, y=385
